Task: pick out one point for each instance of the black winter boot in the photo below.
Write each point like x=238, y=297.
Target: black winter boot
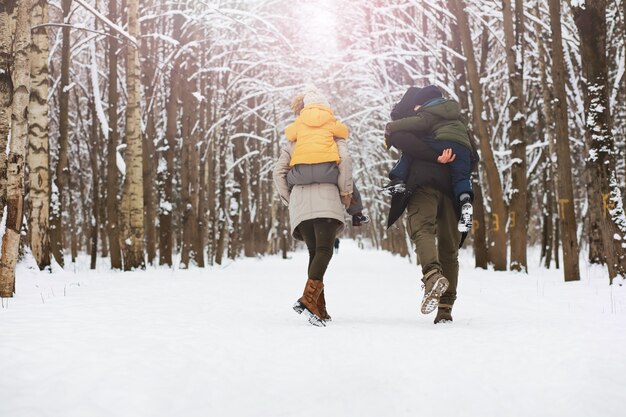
x=395, y=186
x=444, y=314
x=359, y=219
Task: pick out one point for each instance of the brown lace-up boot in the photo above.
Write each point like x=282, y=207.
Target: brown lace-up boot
x=435, y=284
x=307, y=304
x=444, y=314
x=321, y=306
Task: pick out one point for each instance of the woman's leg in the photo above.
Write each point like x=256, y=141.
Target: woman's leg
x=307, y=230
x=319, y=236
x=325, y=234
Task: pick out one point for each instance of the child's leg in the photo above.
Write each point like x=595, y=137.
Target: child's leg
x=461, y=182
x=303, y=174
x=357, y=206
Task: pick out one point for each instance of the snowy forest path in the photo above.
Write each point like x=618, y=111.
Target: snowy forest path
x=224, y=342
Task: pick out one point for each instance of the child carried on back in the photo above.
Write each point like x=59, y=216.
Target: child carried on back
x=316, y=154
x=429, y=117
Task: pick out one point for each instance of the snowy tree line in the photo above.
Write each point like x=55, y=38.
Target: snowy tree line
x=144, y=131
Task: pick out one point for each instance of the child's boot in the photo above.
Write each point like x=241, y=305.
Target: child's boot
x=359, y=218
x=395, y=186
x=467, y=212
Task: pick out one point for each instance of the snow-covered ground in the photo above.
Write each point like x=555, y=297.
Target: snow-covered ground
x=224, y=342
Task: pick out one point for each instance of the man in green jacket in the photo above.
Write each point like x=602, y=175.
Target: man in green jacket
x=427, y=116
x=432, y=212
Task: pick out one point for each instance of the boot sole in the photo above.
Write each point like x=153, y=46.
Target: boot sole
x=299, y=308
x=391, y=191
x=465, y=227
x=431, y=300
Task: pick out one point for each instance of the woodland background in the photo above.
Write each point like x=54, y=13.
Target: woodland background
x=140, y=131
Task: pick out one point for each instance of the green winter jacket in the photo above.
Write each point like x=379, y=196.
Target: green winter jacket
x=443, y=119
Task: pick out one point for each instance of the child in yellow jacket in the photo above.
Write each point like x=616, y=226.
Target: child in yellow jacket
x=316, y=155
x=314, y=130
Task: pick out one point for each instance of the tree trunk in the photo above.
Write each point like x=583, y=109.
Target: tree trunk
x=165, y=176
x=95, y=187
x=604, y=195
x=187, y=178
x=149, y=152
x=6, y=90
x=212, y=217
x=546, y=125
x=62, y=169
x=203, y=177
x=518, y=216
x=38, y=159
x=547, y=237
x=479, y=231
x=132, y=195
x=112, y=170
x=497, y=232
x=17, y=150
x=564, y=173
x=222, y=212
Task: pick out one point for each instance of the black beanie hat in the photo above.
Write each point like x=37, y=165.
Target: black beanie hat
x=406, y=106
x=424, y=95
x=414, y=96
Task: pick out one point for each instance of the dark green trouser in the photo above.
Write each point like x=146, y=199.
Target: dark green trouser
x=319, y=236
x=433, y=229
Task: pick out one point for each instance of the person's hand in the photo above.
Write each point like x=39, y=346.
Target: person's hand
x=346, y=199
x=446, y=156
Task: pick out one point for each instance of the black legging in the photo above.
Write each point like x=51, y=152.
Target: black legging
x=319, y=236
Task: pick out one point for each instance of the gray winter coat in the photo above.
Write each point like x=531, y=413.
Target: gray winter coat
x=314, y=201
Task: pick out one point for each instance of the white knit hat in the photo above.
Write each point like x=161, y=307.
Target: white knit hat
x=314, y=96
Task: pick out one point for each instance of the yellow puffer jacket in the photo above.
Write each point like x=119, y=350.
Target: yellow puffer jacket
x=314, y=132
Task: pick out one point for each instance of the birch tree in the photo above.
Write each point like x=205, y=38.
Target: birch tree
x=112, y=211
x=38, y=159
x=6, y=90
x=19, y=139
x=131, y=212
